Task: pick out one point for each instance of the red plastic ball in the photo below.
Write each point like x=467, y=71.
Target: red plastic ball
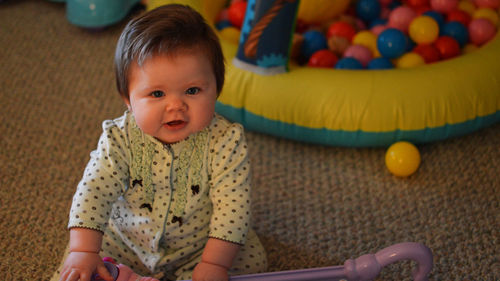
x=323, y=58
x=428, y=52
x=460, y=16
x=447, y=46
x=417, y=3
x=236, y=13
x=342, y=29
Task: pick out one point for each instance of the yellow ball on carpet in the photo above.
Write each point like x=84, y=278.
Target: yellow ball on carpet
x=402, y=159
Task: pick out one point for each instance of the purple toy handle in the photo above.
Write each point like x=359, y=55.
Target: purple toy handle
x=364, y=268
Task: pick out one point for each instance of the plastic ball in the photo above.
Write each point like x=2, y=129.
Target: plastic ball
x=481, y=31
x=315, y=11
x=236, y=13
x=460, y=16
x=409, y=60
x=486, y=13
x=428, y=52
x=447, y=46
x=323, y=58
x=423, y=30
x=380, y=63
x=223, y=24
x=368, y=10
x=417, y=3
x=359, y=52
x=436, y=16
x=378, y=29
x=366, y=38
x=444, y=6
x=401, y=18
x=456, y=30
x=232, y=34
x=338, y=45
x=385, y=2
x=402, y=159
x=313, y=41
x=493, y=4
x=348, y=63
x=342, y=29
x=467, y=6
x=391, y=43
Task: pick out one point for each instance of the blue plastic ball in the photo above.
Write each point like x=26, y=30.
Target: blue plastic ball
x=348, y=63
x=392, y=43
x=457, y=31
x=368, y=10
x=436, y=16
x=223, y=24
x=378, y=21
x=380, y=63
x=313, y=41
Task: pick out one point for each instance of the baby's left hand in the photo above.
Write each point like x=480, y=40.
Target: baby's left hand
x=209, y=272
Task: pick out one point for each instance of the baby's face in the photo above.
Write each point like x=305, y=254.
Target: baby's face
x=173, y=97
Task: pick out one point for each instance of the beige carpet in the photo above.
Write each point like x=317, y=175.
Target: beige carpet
x=314, y=206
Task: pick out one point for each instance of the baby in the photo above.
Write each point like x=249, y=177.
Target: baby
x=167, y=191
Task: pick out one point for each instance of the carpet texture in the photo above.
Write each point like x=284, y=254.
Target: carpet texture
x=313, y=205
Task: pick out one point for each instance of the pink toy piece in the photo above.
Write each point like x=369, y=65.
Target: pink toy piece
x=364, y=268
x=120, y=272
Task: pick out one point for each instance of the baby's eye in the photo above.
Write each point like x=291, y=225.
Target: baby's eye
x=192, y=91
x=157, y=94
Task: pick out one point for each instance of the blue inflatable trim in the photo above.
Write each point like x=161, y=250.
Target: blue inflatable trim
x=253, y=122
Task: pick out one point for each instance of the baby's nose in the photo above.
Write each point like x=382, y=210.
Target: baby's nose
x=175, y=103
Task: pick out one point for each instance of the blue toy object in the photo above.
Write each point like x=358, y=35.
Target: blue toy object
x=348, y=63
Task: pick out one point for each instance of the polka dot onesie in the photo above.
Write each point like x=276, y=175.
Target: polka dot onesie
x=158, y=204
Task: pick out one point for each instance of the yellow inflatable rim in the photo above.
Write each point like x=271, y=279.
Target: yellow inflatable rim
x=366, y=107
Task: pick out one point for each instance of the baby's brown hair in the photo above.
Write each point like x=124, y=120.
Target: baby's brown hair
x=166, y=30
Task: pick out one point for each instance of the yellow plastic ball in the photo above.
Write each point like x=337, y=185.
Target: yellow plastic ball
x=423, y=30
x=231, y=34
x=318, y=11
x=467, y=6
x=486, y=13
x=409, y=60
x=366, y=38
x=402, y=159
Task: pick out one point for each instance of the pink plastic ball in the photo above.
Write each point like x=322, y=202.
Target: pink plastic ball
x=401, y=17
x=444, y=6
x=493, y=4
x=481, y=31
x=359, y=52
x=378, y=29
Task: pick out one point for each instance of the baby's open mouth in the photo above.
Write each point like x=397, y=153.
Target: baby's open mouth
x=175, y=124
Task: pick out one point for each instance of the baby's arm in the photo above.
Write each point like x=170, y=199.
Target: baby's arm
x=216, y=260
x=83, y=259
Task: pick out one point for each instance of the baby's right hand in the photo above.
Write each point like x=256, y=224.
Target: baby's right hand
x=81, y=266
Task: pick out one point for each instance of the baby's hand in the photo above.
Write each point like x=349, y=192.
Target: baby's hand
x=81, y=266
x=210, y=272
